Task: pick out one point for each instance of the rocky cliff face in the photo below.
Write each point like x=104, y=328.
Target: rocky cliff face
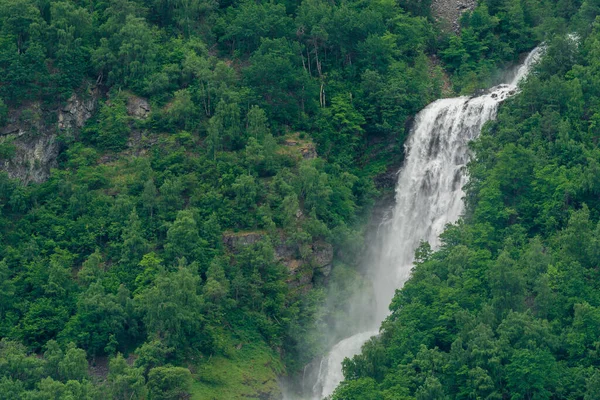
x=138, y=107
x=448, y=12
x=33, y=132
x=77, y=111
x=302, y=270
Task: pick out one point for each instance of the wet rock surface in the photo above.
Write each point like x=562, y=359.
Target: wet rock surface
x=387, y=179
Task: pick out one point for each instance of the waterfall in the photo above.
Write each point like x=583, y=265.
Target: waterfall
x=428, y=196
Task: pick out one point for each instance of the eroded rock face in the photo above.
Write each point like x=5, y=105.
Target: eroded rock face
x=34, y=144
x=306, y=147
x=138, y=107
x=236, y=241
x=322, y=255
x=33, y=133
x=449, y=11
x=77, y=111
x=301, y=270
x=33, y=158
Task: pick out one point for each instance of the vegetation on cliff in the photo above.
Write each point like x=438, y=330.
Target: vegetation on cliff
x=201, y=118
x=509, y=306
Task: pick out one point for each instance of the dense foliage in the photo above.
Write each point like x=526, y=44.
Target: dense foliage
x=118, y=260
x=121, y=251
x=509, y=307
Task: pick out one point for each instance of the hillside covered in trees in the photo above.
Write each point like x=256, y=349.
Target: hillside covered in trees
x=187, y=181
x=509, y=307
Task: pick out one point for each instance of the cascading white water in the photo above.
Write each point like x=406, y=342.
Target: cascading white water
x=428, y=196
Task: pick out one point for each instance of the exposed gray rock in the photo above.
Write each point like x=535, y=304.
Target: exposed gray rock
x=35, y=139
x=77, y=111
x=236, y=241
x=34, y=144
x=34, y=157
x=448, y=12
x=138, y=107
x=322, y=255
x=301, y=269
x=284, y=251
x=326, y=270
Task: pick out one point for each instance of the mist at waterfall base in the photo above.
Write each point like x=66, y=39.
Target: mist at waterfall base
x=428, y=196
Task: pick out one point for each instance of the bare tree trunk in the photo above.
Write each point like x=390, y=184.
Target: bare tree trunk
x=322, y=94
x=208, y=97
x=303, y=61
x=204, y=99
x=318, y=62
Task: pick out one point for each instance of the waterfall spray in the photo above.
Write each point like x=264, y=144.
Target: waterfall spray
x=428, y=196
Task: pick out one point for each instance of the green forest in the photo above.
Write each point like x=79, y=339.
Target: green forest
x=509, y=307
x=216, y=166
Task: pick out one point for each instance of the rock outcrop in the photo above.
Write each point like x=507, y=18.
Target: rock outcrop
x=306, y=147
x=33, y=133
x=138, y=107
x=448, y=12
x=302, y=270
x=34, y=155
x=77, y=111
x=235, y=241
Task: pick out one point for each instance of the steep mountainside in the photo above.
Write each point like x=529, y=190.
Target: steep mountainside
x=186, y=184
x=508, y=307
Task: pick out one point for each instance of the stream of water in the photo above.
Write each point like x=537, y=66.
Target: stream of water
x=429, y=195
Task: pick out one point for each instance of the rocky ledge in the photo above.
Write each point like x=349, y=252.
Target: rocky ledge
x=31, y=134
x=302, y=270
x=29, y=141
